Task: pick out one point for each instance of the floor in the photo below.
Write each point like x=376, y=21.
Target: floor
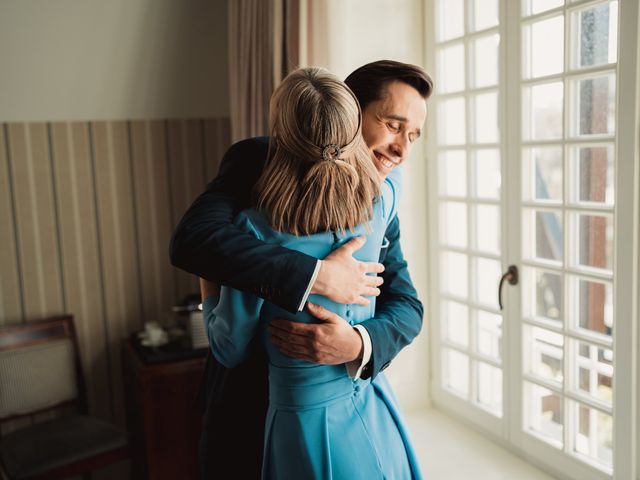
x=449, y=450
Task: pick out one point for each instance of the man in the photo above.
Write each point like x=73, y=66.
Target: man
x=393, y=98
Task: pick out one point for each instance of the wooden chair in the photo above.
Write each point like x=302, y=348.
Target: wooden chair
x=40, y=371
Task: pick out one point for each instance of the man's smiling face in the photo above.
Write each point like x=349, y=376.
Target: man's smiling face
x=391, y=125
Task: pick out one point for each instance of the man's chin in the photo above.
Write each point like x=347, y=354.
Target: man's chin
x=382, y=172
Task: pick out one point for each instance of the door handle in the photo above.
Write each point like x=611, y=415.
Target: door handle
x=511, y=275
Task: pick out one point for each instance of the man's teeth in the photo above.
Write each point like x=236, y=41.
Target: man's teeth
x=387, y=163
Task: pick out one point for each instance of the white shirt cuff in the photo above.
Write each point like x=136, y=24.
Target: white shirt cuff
x=354, y=369
x=311, y=282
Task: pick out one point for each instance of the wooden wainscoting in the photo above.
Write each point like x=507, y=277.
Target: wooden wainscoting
x=86, y=213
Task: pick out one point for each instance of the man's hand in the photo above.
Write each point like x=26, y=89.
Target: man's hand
x=344, y=279
x=208, y=288
x=331, y=342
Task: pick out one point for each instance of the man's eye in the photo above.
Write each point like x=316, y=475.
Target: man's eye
x=393, y=127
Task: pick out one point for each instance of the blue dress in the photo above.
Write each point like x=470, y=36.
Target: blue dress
x=321, y=424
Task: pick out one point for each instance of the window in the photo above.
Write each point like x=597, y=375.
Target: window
x=532, y=137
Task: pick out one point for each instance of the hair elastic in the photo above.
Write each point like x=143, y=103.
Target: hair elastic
x=331, y=152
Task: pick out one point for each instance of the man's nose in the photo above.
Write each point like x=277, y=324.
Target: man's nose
x=400, y=147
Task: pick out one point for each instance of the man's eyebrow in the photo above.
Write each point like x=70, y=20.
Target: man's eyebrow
x=397, y=117
x=400, y=118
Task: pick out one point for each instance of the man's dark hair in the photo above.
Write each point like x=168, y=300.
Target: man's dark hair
x=369, y=82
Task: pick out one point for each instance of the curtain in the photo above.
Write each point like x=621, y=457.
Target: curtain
x=269, y=38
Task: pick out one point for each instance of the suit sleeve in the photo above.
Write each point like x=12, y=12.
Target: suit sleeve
x=398, y=316
x=207, y=244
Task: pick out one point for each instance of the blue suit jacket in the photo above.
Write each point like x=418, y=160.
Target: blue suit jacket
x=207, y=244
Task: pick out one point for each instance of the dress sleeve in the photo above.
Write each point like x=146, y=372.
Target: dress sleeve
x=232, y=320
x=232, y=324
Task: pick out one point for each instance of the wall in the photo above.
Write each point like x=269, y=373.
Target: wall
x=121, y=59
x=113, y=116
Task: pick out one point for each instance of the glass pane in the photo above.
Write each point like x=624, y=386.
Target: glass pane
x=594, y=371
x=544, y=47
x=451, y=69
x=595, y=241
x=543, y=413
x=485, y=14
x=595, y=106
x=594, y=167
x=543, y=173
x=453, y=224
x=594, y=435
x=454, y=273
x=456, y=371
x=536, y=6
x=488, y=177
x=544, y=353
x=543, y=294
x=450, y=19
x=452, y=122
x=485, y=109
x=485, y=58
x=456, y=319
x=542, y=112
x=548, y=235
x=595, y=31
x=489, y=336
x=488, y=273
x=594, y=305
x=487, y=223
x=453, y=173
x=490, y=387
x=542, y=235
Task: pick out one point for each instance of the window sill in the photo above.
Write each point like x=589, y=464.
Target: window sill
x=449, y=450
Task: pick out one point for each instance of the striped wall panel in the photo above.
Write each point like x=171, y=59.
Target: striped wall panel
x=11, y=301
x=186, y=175
x=153, y=217
x=81, y=257
x=86, y=213
x=35, y=216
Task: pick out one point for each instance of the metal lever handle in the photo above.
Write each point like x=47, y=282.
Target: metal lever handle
x=512, y=276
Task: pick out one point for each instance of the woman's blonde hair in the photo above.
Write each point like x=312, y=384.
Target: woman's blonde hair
x=309, y=185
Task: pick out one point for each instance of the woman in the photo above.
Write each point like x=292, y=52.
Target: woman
x=318, y=190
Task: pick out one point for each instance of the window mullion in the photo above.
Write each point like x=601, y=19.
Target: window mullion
x=510, y=68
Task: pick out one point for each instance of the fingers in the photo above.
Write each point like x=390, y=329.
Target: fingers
x=292, y=350
x=361, y=301
x=282, y=337
x=374, y=281
x=295, y=346
x=352, y=245
x=373, y=267
x=322, y=313
x=296, y=328
x=371, y=292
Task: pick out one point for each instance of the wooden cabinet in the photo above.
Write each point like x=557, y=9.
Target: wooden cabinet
x=163, y=417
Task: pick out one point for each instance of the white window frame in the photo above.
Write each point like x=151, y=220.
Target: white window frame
x=626, y=336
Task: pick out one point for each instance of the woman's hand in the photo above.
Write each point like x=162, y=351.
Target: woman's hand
x=208, y=288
